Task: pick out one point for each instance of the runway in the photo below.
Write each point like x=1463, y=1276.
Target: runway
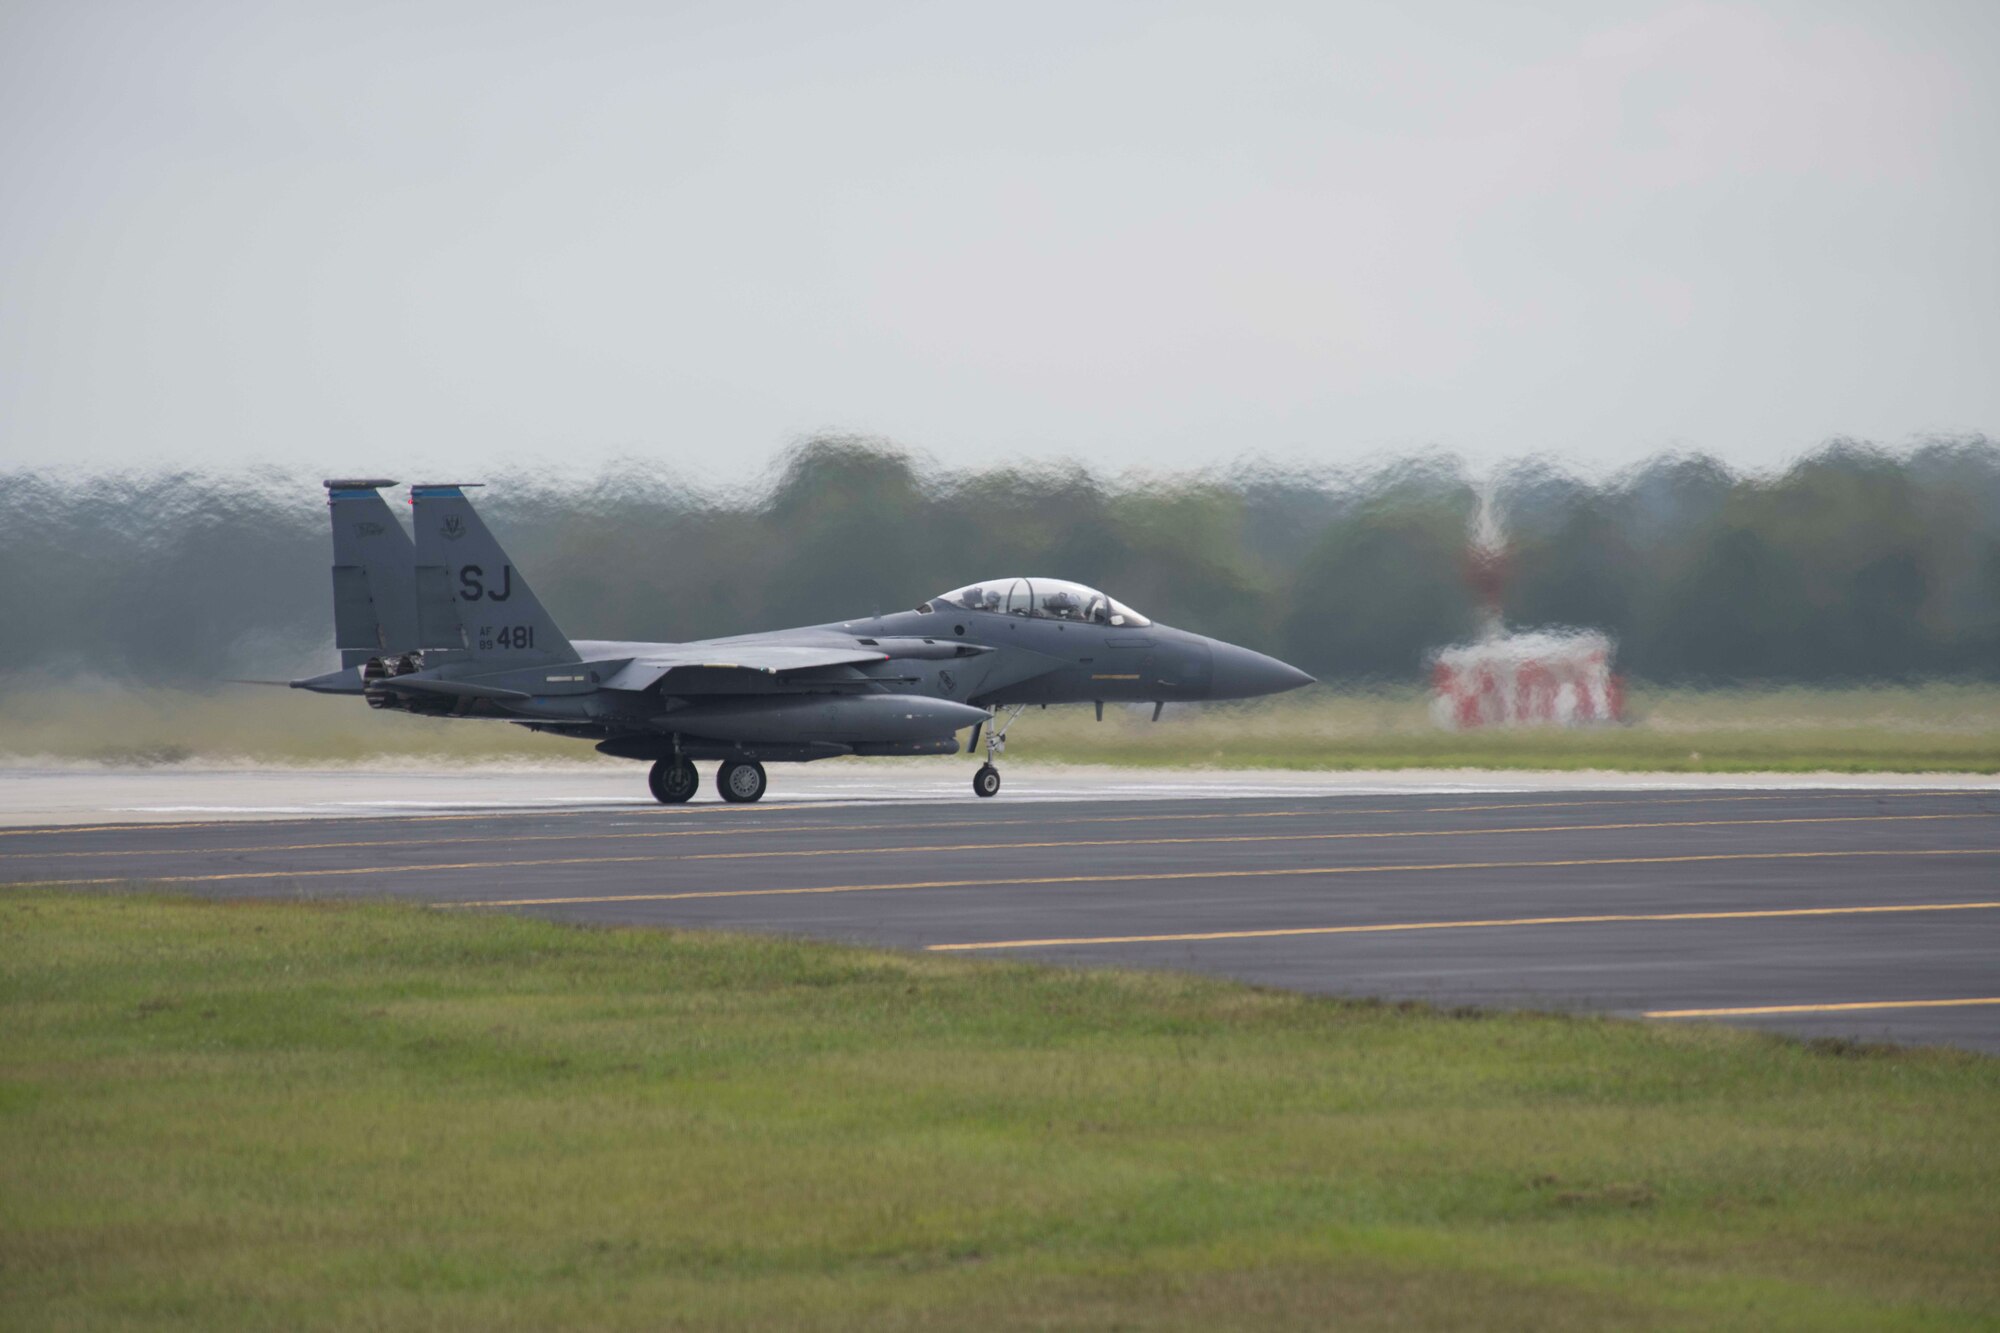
x=1871, y=911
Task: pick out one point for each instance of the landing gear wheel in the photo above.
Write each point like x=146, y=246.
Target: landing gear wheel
x=986, y=782
x=740, y=781
x=673, y=781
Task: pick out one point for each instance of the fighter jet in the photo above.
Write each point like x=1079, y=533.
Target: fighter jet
x=446, y=625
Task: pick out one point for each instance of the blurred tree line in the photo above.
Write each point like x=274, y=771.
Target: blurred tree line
x=1856, y=563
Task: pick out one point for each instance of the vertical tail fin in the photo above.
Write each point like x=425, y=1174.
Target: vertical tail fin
x=469, y=594
x=374, y=566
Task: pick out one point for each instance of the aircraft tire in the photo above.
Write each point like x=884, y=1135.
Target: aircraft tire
x=986, y=782
x=673, y=781
x=740, y=781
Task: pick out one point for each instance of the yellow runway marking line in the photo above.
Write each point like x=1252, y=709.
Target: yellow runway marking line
x=929, y=848
x=1348, y=836
x=1040, y=880
x=1638, y=798
x=739, y=811
x=593, y=836
x=1820, y=794
x=511, y=812
x=1819, y=1008
x=1605, y=918
x=502, y=838
x=1164, y=816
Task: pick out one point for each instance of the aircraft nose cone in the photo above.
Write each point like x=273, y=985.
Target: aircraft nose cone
x=1240, y=673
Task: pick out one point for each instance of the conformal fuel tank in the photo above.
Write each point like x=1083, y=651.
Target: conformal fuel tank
x=823, y=717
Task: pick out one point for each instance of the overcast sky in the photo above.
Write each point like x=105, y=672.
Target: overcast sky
x=425, y=237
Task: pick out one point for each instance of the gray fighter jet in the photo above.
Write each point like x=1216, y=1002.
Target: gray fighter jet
x=447, y=626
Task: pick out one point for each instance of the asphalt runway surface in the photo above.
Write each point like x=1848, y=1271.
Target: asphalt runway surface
x=1866, y=912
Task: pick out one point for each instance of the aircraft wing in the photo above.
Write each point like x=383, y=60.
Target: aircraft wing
x=772, y=659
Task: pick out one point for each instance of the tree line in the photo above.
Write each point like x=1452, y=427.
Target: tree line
x=1855, y=563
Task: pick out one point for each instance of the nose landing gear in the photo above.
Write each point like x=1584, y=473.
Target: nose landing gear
x=986, y=782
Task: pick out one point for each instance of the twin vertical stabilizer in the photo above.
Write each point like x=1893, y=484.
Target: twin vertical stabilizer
x=453, y=594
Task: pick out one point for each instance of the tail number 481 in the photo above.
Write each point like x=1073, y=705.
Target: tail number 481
x=507, y=636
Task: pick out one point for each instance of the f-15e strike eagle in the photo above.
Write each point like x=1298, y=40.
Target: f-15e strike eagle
x=447, y=626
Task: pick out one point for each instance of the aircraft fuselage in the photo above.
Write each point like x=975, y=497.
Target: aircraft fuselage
x=446, y=625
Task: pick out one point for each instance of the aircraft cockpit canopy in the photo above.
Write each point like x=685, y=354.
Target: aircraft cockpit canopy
x=1043, y=599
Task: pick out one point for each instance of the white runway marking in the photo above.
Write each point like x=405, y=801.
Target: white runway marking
x=88, y=794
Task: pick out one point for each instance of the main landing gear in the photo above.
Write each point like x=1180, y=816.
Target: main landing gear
x=674, y=781
x=740, y=781
x=986, y=782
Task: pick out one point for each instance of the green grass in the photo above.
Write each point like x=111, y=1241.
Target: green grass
x=247, y=723
x=1940, y=728
x=1937, y=728
x=330, y=1117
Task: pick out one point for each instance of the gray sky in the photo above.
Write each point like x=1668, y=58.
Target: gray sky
x=425, y=236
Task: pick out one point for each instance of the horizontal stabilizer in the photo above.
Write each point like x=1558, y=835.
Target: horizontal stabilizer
x=344, y=681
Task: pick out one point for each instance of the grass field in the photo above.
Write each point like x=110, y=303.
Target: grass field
x=362, y=1116
x=1935, y=728
x=1928, y=728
